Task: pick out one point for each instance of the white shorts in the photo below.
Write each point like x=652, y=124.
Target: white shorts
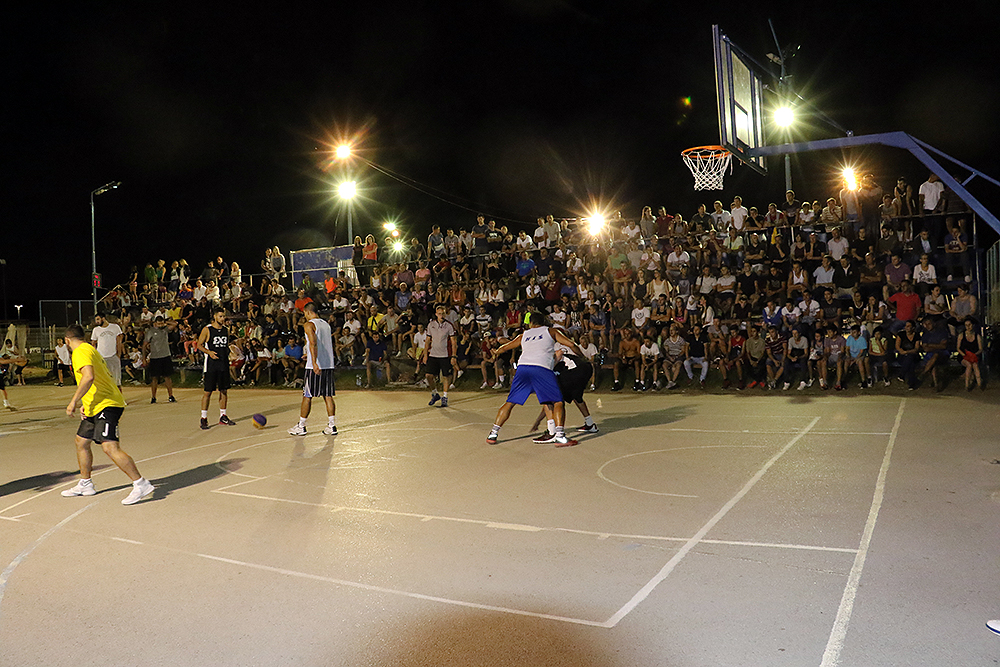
x=114, y=365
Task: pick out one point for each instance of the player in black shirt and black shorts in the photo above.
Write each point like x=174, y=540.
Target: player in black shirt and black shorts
x=214, y=343
x=573, y=374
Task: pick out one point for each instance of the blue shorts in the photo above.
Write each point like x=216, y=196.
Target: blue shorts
x=536, y=380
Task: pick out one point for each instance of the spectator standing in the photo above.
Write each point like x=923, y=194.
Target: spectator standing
x=156, y=350
x=109, y=343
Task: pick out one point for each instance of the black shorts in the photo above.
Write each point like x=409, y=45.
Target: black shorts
x=101, y=427
x=573, y=382
x=66, y=368
x=437, y=365
x=160, y=368
x=319, y=385
x=216, y=379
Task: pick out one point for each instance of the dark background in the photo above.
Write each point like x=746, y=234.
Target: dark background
x=220, y=121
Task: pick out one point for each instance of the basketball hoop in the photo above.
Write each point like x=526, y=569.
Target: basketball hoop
x=708, y=165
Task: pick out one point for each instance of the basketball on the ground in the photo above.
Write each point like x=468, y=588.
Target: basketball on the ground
x=259, y=421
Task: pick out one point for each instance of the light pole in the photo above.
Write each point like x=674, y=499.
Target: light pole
x=347, y=190
x=93, y=242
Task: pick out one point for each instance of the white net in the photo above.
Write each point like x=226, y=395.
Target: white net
x=708, y=165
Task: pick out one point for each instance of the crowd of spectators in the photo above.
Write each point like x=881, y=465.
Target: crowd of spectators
x=871, y=282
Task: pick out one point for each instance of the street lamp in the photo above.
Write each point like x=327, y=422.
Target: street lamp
x=348, y=190
x=93, y=243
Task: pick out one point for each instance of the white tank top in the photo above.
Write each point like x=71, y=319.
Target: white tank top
x=324, y=345
x=538, y=348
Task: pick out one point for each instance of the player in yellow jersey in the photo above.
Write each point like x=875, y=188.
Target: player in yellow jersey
x=101, y=407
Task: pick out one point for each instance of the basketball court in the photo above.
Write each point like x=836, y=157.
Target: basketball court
x=694, y=529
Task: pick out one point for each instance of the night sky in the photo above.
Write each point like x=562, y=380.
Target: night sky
x=219, y=123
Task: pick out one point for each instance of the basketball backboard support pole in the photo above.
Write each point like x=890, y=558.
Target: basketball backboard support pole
x=917, y=148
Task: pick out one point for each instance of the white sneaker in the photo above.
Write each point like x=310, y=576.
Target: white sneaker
x=298, y=429
x=451, y=386
x=498, y=386
x=484, y=385
x=802, y=385
x=81, y=489
x=810, y=383
x=785, y=386
x=139, y=491
x=460, y=374
x=330, y=430
x=994, y=626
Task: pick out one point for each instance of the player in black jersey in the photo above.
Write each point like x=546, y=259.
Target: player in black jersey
x=214, y=343
x=573, y=374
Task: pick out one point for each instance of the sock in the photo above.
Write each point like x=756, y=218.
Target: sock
x=552, y=426
x=302, y=422
x=589, y=421
x=86, y=481
x=560, y=431
x=222, y=413
x=139, y=481
x=204, y=414
x=445, y=393
x=496, y=429
x=332, y=420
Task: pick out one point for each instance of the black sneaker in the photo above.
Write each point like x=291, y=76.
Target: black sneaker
x=226, y=421
x=617, y=386
x=204, y=424
x=588, y=429
x=434, y=398
x=171, y=400
x=543, y=438
x=152, y=400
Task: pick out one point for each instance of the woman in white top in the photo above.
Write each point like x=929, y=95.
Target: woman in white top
x=658, y=285
x=924, y=276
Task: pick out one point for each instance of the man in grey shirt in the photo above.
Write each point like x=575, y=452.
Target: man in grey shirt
x=156, y=354
x=438, y=351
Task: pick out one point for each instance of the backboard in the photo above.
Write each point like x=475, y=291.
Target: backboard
x=739, y=84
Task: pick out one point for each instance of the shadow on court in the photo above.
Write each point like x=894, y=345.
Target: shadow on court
x=484, y=638
x=660, y=417
x=204, y=473
x=42, y=482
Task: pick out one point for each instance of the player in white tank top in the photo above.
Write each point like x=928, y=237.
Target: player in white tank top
x=538, y=348
x=537, y=359
x=319, y=379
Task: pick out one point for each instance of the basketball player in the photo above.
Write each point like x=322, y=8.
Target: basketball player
x=318, y=379
x=534, y=375
x=110, y=343
x=214, y=343
x=573, y=374
x=64, y=362
x=101, y=409
x=438, y=351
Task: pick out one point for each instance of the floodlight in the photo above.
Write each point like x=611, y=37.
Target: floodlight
x=397, y=245
x=343, y=151
x=347, y=189
x=784, y=116
x=395, y=233
x=389, y=226
x=595, y=224
x=851, y=179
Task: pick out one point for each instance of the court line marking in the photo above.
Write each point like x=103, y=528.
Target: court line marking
x=9, y=570
x=754, y=431
x=487, y=523
x=600, y=471
x=838, y=634
x=665, y=571
x=394, y=591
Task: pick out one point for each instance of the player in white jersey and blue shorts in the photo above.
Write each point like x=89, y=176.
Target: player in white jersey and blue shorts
x=534, y=375
x=319, y=371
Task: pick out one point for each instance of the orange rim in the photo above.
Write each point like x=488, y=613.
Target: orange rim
x=703, y=152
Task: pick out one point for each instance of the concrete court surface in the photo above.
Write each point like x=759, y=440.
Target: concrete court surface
x=758, y=529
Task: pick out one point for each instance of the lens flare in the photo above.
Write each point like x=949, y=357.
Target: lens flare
x=851, y=179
